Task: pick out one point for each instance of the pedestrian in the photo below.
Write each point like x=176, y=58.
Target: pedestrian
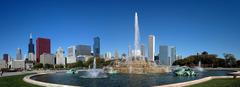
x=1, y=72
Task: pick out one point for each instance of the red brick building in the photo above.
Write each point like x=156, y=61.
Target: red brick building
x=43, y=46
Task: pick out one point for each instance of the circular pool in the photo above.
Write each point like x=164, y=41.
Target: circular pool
x=123, y=80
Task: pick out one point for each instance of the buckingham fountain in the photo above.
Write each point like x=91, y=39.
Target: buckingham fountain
x=136, y=71
x=136, y=63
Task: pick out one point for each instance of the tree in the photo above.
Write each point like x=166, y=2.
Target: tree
x=204, y=53
x=230, y=60
x=48, y=66
x=106, y=63
x=88, y=62
x=207, y=60
x=238, y=63
x=60, y=66
x=72, y=65
x=79, y=64
x=37, y=66
x=100, y=62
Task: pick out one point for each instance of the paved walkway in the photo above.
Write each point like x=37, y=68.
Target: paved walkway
x=27, y=72
x=15, y=73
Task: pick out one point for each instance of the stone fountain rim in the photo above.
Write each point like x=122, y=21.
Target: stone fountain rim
x=193, y=82
x=28, y=79
x=181, y=84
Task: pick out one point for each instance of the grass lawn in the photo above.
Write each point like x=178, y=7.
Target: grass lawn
x=14, y=81
x=219, y=83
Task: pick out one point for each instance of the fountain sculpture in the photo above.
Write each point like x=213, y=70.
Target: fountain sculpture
x=72, y=71
x=136, y=63
x=184, y=71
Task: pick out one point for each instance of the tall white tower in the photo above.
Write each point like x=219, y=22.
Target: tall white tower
x=60, y=59
x=71, y=58
x=151, y=48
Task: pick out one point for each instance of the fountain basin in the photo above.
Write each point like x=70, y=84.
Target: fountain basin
x=123, y=80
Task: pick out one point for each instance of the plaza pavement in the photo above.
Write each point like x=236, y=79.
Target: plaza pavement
x=28, y=72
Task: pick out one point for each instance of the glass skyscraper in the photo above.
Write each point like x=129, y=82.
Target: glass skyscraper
x=83, y=50
x=96, y=46
x=19, y=54
x=167, y=55
x=31, y=45
x=5, y=57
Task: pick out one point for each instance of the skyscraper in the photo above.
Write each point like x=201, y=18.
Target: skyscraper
x=19, y=54
x=178, y=57
x=143, y=50
x=6, y=58
x=108, y=56
x=60, y=59
x=31, y=45
x=83, y=52
x=96, y=46
x=71, y=58
x=151, y=48
x=47, y=58
x=43, y=46
x=31, y=51
x=167, y=55
x=116, y=57
x=173, y=54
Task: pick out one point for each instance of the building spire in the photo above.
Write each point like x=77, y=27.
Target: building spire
x=30, y=36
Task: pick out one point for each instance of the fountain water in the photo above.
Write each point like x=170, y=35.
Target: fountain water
x=94, y=63
x=199, y=68
x=136, y=63
x=94, y=73
x=199, y=64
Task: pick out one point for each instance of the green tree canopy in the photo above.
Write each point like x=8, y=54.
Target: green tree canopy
x=207, y=60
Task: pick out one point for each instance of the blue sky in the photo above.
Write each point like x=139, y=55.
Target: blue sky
x=190, y=25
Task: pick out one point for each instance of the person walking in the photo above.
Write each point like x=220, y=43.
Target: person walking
x=1, y=72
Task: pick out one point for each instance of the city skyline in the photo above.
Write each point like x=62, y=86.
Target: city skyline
x=74, y=28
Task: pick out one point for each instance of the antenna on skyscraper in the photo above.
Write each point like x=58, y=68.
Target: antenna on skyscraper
x=30, y=36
